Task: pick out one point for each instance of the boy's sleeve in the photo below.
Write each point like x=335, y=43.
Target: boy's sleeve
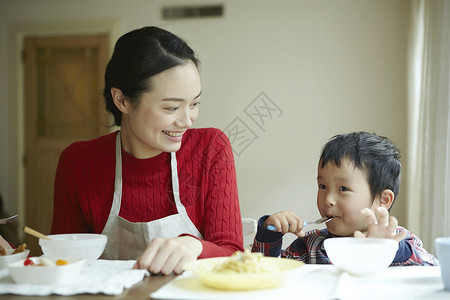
x=266, y=241
x=411, y=252
x=403, y=253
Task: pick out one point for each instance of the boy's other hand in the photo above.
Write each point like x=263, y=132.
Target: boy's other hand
x=380, y=225
x=286, y=221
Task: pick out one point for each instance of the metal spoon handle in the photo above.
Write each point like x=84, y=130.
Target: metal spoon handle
x=7, y=220
x=318, y=221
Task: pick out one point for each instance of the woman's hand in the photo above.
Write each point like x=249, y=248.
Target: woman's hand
x=4, y=243
x=381, y=225
x=167, y=255
x=286, y=221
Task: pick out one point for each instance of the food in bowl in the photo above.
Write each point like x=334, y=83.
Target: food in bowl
x=242, y=271
x=83, y=245
x=361, y=256
x=46, y=273
x=45, y=262
x=19, y=249
x=8, y=256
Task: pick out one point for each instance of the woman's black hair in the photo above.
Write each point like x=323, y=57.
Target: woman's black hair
x=139, y=55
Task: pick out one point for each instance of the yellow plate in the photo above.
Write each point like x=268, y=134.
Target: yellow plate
x=241, y=281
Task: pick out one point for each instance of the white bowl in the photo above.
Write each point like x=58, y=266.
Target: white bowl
x=46, y=275
x=82, y=245
x=10, y=258
x=361, y=256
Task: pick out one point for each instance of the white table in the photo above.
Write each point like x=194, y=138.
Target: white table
x=323, y=282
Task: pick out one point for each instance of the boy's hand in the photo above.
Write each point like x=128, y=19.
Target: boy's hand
x=380, y=225
x=286, y=221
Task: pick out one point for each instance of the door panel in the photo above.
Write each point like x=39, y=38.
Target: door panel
x=63, y=88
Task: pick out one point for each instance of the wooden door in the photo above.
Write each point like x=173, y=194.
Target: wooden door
x=63, y=104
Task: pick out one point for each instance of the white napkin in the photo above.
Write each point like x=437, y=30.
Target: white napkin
x=108, y=277
x=408, y=282
x=323, y=282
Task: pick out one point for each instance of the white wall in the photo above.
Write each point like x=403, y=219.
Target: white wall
x=331, y=66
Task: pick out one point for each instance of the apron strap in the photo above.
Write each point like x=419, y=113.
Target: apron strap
x=176, y=194
x=117, y=198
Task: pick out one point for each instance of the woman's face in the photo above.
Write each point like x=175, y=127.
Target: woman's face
x=163, y=115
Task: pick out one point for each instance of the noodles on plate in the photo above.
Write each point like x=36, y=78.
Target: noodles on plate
x=246, y=262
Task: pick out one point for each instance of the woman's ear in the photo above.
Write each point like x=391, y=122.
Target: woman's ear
x=119, y=100
x=386, y=199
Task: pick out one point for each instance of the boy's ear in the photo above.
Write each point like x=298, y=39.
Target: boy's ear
x=386, y=199
x=119, y=100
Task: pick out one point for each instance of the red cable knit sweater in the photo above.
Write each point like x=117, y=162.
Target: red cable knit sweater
x=84, y=187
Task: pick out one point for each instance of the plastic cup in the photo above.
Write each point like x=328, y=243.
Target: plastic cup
x=442, y=245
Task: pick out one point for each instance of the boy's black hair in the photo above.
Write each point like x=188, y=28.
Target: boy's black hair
x=376, y=155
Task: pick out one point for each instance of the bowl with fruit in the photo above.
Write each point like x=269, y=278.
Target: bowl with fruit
x=46, y=270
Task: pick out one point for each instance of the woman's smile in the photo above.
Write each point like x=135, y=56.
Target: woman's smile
x=174, y=136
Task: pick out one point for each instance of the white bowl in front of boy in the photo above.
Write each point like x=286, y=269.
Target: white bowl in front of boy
x=361, y=256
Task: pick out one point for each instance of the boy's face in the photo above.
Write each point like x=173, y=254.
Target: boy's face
x=343, y=192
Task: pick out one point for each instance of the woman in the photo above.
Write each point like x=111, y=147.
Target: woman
x=163, y=193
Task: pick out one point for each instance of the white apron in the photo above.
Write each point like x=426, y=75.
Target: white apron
x=127, y=240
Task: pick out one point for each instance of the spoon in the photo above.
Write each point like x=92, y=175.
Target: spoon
x=7, y=220
x=318, y=221
x=35, y=233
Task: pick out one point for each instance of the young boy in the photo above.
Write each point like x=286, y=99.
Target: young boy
x=358, y=180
